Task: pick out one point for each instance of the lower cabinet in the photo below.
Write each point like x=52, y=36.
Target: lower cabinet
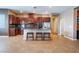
x=12, y=32
x=18, y=31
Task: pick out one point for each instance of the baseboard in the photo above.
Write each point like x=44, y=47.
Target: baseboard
x=69, y=38
x=60, y=35
x=4, y=36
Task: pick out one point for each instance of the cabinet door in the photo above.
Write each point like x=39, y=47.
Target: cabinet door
x=12, y=32
x=78, y=27
x=45, y=19
x=13, y=20
x=19, y=31
x=10, y=19
x=39, y=19
x=77, y=13
x=17, y=20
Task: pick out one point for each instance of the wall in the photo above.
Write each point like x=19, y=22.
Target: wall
x=4, y=31
x=67, y=23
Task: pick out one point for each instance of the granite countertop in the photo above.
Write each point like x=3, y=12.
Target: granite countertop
x=37, y=30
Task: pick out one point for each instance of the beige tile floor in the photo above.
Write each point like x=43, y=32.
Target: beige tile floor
x=58, y=45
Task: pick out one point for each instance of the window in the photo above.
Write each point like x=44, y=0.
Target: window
x=2, y=21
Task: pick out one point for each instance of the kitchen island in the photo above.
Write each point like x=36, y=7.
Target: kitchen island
x=25, y=31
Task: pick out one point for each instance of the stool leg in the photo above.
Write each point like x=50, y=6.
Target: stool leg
x=43, y=37
x=27, y=37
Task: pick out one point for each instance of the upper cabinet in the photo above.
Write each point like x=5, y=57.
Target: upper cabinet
x=77, y=13
x=43, y=19
x=46, y=19
x=78, y=20
x=32, y=18
x=12, y=19
x=18, y=20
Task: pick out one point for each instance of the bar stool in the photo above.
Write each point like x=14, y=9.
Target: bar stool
x=30, y=35
x=46, y=36
x=39, y=36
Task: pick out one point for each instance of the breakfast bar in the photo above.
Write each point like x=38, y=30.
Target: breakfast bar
x=34, y=31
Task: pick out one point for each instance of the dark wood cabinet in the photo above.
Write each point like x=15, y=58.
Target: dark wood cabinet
x=77, y=27
x=12, y=19
x=18, y=20
x=77, y=13
x=14, y=23
x=46, y=19
x=39, y=19
x=12, y=32
x=43, y=19
x=77, y=24
x=18, y=32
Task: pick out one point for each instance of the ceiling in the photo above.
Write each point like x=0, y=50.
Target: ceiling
x=38, y=9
